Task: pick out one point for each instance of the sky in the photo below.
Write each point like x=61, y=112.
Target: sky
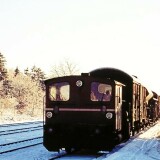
x=123, y=34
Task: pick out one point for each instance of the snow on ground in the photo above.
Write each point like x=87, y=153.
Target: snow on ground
x=34, y=153
x=145, y=147
x=19, y=119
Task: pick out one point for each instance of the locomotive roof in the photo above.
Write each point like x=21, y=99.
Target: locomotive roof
x=114, y=73
x=50, y=79
x=120, y=76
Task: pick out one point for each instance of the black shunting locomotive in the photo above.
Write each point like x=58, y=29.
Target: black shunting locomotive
x=96, y=110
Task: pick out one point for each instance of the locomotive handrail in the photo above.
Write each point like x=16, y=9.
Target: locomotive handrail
x=44, y=109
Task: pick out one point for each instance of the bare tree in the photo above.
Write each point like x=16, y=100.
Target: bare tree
x=64, y=69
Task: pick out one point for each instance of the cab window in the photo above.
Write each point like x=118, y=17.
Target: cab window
x=59, y=91
x=100, y=91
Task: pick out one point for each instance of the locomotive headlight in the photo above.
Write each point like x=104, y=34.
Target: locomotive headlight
x=79, y=83
x=109, y=115
x=49, y=114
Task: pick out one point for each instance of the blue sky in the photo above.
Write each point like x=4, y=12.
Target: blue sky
x=90, y=33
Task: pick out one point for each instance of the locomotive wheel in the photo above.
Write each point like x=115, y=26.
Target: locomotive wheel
x=127, y=132
x=68, y=150
x=111, y=146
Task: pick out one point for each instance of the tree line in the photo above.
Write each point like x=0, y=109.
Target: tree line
x=22, y=93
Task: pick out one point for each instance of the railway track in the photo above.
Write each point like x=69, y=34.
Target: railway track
x=20, y=130
x=20, y=124
x=9, y=132
x=85, y=154
x=13, y=146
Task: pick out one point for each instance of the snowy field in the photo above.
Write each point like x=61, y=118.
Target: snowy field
x=145, y=147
